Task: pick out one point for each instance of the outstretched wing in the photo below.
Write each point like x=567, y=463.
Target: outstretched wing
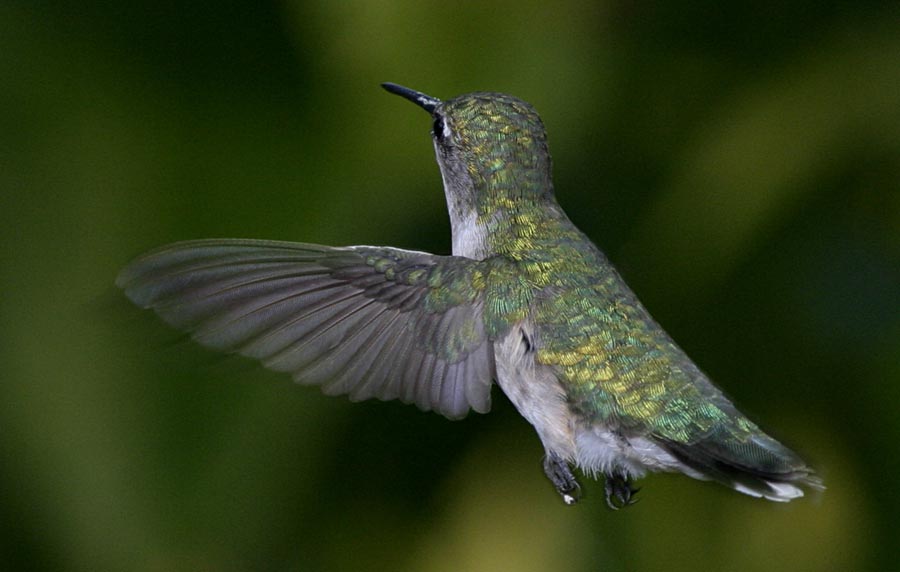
x=362, y=320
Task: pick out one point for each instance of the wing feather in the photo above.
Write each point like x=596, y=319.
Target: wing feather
x=364, y=321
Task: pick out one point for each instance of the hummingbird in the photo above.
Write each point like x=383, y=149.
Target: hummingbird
x=526, y=300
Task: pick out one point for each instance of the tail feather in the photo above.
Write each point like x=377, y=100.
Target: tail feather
x=760, y=467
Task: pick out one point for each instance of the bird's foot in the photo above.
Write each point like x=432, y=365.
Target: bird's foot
x=619, y=492
x=557, y=470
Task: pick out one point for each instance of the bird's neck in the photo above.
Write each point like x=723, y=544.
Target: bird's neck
x=504, y=219
x=502, y=203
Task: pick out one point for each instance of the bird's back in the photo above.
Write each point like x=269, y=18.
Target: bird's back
x=624, y=376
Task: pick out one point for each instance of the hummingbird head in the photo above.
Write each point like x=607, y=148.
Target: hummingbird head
x=492, y=151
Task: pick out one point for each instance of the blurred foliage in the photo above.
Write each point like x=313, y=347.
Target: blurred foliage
x=739, y=162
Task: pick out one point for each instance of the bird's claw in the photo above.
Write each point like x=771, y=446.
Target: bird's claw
x=619, y=492
x=557, y=470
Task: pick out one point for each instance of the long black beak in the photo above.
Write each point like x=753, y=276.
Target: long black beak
x=426, y=102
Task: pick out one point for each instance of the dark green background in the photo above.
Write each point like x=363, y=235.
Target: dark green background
x=740, y=163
